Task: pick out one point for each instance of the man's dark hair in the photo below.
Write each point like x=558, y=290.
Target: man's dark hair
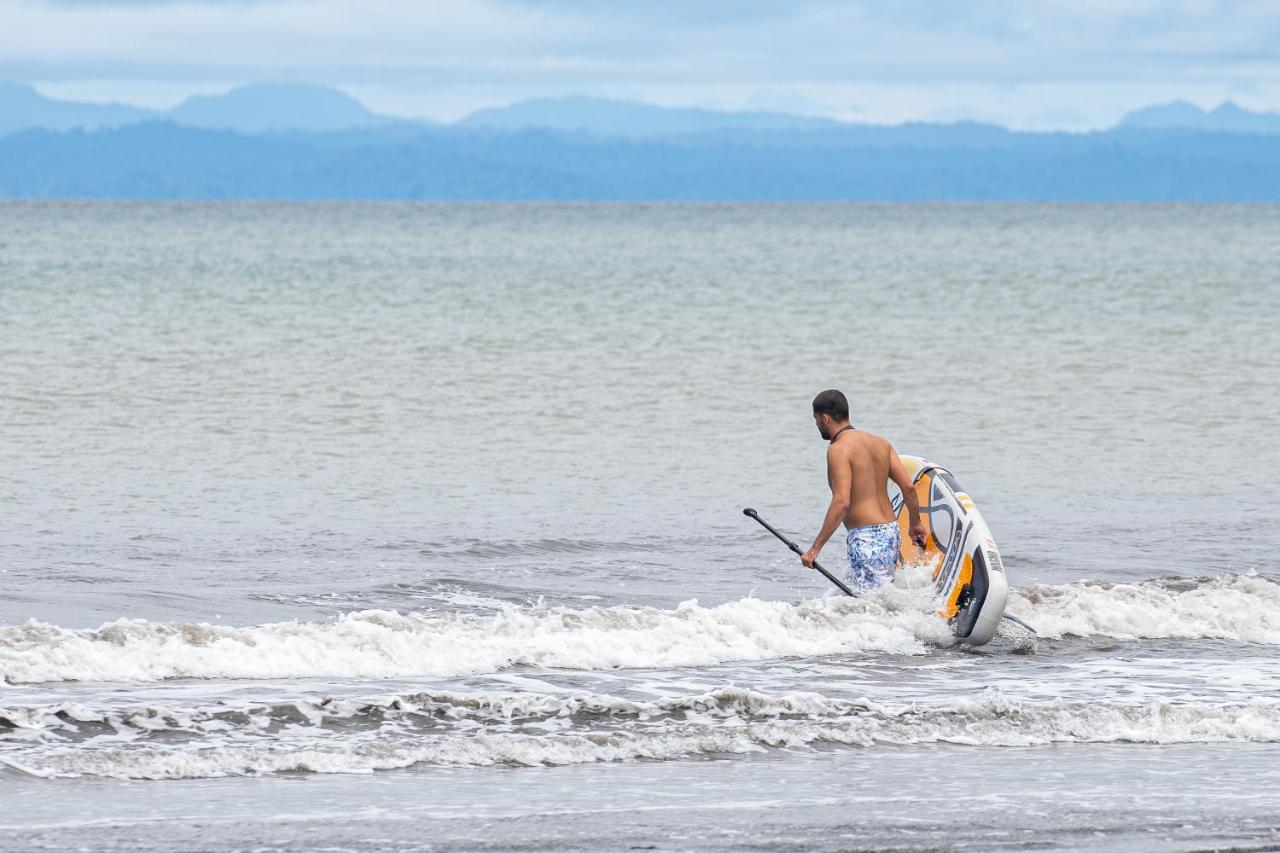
x=831, y=402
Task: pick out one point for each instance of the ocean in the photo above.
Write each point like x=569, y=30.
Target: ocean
x=418, y=526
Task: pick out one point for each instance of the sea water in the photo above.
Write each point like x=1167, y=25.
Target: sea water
x=384, y=526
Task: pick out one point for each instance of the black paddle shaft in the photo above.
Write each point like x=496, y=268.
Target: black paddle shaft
x=751, y=513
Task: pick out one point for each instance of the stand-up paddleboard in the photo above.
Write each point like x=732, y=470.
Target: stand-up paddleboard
x=967, y=571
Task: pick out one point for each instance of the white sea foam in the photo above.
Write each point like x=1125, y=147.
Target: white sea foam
x=1244, y=608
x=71, y=721
x=722, y=722
x=378, y=643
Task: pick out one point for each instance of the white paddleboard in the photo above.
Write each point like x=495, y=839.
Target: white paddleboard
x=968, y=572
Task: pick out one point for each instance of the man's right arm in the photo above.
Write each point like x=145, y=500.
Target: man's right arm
x=899, y=475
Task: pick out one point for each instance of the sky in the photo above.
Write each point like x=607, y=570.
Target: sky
x=1032, y=64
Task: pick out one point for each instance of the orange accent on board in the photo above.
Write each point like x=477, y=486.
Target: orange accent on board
x=908, y=549
x=952, y=606
x=911, y=553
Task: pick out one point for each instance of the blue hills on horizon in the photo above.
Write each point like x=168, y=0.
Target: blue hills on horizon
x=255, y=108
x=1227, y=117
x=608, y=117
x=282, y=107
x=312, y=142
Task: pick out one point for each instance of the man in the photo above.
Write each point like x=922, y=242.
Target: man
x=858, y=466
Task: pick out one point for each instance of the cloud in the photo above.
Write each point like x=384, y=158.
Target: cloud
x=333, y=36
x=444, y=54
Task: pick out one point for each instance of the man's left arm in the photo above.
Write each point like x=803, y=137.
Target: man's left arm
x=841, y=480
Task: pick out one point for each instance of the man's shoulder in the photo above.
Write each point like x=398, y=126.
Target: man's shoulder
x=878, y=445
x=873, y=439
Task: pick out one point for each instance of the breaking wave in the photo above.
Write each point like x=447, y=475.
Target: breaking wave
x=359, y=736
x=1244, y=608
x=381, y=643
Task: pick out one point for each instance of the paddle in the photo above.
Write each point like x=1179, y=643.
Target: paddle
x=751, y=513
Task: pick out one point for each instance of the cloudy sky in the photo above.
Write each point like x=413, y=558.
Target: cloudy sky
x=1025, y=63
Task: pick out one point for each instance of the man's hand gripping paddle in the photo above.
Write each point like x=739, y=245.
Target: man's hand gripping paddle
x=751, y=513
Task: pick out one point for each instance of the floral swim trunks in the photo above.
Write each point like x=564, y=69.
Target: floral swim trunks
x=874, y=554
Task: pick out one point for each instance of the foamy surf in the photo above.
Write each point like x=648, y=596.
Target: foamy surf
x=1239, y=607
x=388, y=644
x=361, y=736
x=380, y=644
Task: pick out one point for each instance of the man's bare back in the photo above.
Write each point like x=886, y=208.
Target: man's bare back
x=868, y=459
x=859, y=464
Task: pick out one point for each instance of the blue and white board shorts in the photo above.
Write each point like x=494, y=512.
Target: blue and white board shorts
x=874, y=553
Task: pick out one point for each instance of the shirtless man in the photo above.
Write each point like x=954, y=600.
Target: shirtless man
x=858, y=466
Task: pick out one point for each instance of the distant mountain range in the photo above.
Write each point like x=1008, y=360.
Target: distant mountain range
x=606, y=117
x=257, y=108
x=1227, y=117
x=161, y=160
x=261, y=108
x=307, y=142
x=22, y=108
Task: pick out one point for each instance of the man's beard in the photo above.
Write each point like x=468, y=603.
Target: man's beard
x=824, y=432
